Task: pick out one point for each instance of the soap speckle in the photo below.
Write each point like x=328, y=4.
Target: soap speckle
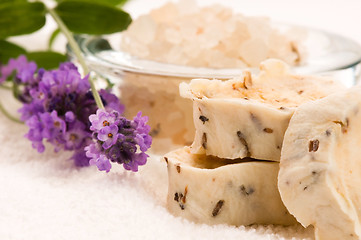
x=181, y=198
x=155, y=131
x=268, y=130
x=176, y=197
x=246, y=191
x=344, y=126
x=313, y=145
x=184, y=199
x=178, y=168
x=243, y=141
x=328, y=132
x=217, y=208
x=247, y=80
x=256, y=120
x=203, y=119
x=204, y=140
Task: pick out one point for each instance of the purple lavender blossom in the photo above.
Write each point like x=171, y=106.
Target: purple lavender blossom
x=101, y=119
x=76, y=135
x=129, y=146
x=108, y=135
x=92, y=151
x=57, y=106
x=52, y=124
x=80, y=159
x=35, y=133
x=110, y=101
x=102, y=163
x=24, y=70
x=138, y=160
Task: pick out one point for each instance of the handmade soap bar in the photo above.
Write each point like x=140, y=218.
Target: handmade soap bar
x=320, y=169
x=248, y=116
x=206, y=189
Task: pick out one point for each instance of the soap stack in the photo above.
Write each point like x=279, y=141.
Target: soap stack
x=229, y=174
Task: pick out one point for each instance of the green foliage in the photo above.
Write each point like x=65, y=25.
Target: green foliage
x=116, y=3
x=20, y=17
x=9, y=50
x=82, y=16
x=46, y=59
x=11, y=1
x=53, y=36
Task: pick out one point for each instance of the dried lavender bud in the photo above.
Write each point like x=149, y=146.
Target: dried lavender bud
x=155, y=131
x=256, y=121
x=268, y=130
x=246, y=191
x=328, y=132
x=243, y=141
x=313, y=145
x=343, y=126
x=176, y=197
x=247, y=80
x=180, y=198
x=178, y=168
x=203, y=119
x=204, y=141
x=184, y=199
x=217, y=208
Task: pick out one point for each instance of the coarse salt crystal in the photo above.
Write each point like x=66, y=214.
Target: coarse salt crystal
x=213, y=36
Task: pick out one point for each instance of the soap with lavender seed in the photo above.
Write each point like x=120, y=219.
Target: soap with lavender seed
x=206, y=189
x=248, y=116
x=320, y=169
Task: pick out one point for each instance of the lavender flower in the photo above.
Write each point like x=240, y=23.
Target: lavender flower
x=57, y=106
x=24, y=70
x=102, y=119
x=108, y=135
x=119, y=140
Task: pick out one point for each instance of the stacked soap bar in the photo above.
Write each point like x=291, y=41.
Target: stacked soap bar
x=320, y=170
x=229, y=174
x=248, y=116
x=211, y=190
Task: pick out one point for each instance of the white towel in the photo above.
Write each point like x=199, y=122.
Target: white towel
x=43, y=196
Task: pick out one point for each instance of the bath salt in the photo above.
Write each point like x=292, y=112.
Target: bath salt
x=212, y=36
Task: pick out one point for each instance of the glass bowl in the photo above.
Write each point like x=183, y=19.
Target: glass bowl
x=152, y=87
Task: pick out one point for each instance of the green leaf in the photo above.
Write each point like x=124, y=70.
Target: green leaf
x=53, y=37
x=11, y=1
x=46, y=59
x=20, y=17
x=92, y=18
x=9, y=50
x=116, y=3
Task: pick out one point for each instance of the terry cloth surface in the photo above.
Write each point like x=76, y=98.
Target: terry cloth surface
x=44, y=197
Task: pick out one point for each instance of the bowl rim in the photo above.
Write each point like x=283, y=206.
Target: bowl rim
x=99, y=54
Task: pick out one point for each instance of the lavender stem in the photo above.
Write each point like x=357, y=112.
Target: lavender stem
x=74, y=46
